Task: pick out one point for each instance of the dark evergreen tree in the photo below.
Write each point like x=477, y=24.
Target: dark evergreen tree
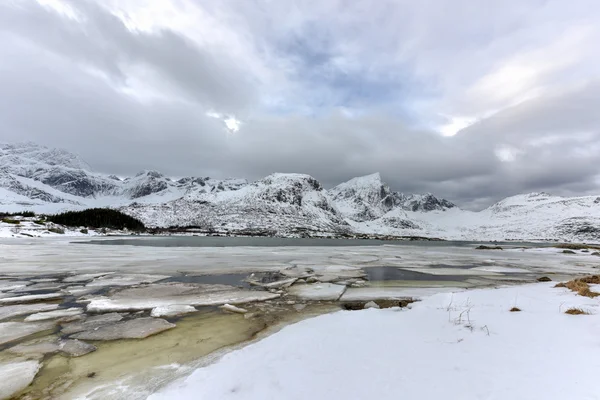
x=98, y=218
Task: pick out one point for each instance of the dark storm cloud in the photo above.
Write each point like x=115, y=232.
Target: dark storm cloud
x=101, y=41
x=331, y=98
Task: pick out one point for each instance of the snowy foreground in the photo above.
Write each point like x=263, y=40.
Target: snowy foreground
x=463, y=345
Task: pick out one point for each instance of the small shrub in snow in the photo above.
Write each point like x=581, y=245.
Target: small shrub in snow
x=575, y=246
x=11, y=221
x=576, y=311
x=581, y=286
x=483, y=247
x=515, y=309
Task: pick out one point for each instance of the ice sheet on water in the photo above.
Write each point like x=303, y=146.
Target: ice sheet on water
x=11, y=331
x=16, y=376
x=390, y=293
x=318, y=291
x=166, y=294
x=30, y=298
x=172, y=310
x=22, y=309
x=67, y=312
x=125, y=279
x=133, y=329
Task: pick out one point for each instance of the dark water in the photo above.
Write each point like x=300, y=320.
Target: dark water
x=374, y=274
x=220, y=241
x=382, y=274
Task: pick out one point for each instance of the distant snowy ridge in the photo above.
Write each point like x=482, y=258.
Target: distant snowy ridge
x=45, y=180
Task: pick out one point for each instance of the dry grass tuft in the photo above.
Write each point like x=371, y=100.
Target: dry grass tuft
x=515, y=309
x=576, y=311
x=581, y=286
x=593, y=279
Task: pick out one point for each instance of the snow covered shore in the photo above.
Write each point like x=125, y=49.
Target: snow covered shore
x=465, y=345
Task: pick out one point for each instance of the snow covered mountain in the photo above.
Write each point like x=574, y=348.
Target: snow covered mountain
x=51, y=180
x=367, y=198
x=44, y=180
x=279, y=203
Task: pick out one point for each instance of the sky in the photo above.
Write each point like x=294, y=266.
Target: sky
x=470, y=100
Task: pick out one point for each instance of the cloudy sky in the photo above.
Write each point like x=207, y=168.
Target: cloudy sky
x=470, y=100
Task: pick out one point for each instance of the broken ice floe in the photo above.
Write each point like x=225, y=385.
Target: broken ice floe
x=125, y=279
x=91, y=323
x=67, y=312
x=318, y=291
x=84, y=277
x=392, y=293
x=166, y=294
x=139, y=328
x=70, y=347
x=233, y=309
x=16, y=376
x=172, y=310
x=22, y=309
x=6, y=286
x=31, y=298
x=11, y=331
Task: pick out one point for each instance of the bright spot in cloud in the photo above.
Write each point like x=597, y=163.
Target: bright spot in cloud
x=455, y=125
x=231, y=123
x=507, y=153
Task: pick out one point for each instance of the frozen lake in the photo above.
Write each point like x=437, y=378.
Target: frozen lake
x=134, y=275
x=192, y=255
x=221, y=241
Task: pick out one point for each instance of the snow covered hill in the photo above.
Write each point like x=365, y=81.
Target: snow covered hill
x=279, y=203
x=44, y=180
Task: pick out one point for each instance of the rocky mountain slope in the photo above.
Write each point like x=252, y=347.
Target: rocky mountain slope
x=44, y=180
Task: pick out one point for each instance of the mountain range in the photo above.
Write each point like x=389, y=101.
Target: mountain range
x=46, y=180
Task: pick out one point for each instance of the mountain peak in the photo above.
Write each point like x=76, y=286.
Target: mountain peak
x=285, y=179
x=373, y=179
x=32, y=154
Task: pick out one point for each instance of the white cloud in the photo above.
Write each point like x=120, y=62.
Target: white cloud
x=454, y=125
